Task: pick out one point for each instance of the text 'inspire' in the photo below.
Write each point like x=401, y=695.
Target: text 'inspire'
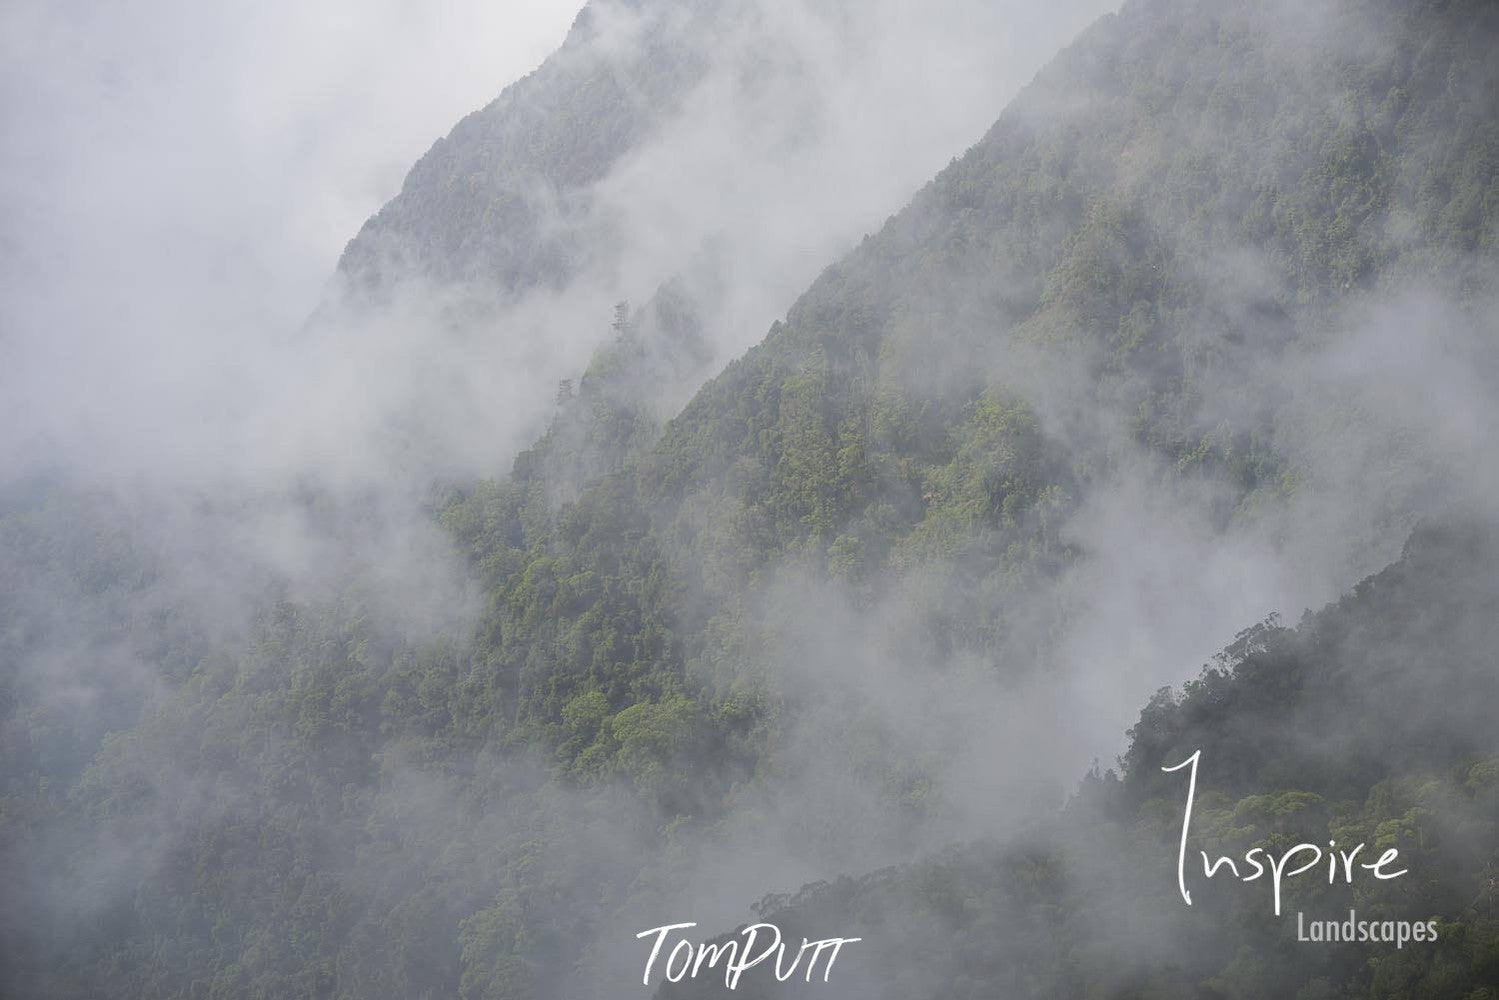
x=1339, y=861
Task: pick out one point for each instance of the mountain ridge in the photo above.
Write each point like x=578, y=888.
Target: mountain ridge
x=498, y=198
x=796, y=628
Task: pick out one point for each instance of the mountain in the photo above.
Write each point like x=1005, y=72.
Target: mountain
x=868, y=593
x=1100, y=281
x=1365, y=723
x=504, y=199
x=715, y=151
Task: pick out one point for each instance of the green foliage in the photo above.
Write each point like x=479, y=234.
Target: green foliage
x=327, y=808
x=1086, y=904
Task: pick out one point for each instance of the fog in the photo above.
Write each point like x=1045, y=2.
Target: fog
x=179, y=180
x=179, y=183
x=198, y=398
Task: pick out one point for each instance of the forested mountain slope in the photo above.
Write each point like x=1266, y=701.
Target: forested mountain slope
x=1117, y=273
x=503, y=200
x=784, y=636
x=1368, y=722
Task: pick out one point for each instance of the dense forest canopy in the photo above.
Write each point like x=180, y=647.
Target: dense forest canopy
x=1204, y=320
x=1365, y=723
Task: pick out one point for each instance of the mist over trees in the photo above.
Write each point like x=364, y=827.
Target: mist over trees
x=550, y=619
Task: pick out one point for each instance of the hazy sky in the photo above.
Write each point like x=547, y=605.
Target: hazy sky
x=284, y=124
x=172, y=164
x=178, y=180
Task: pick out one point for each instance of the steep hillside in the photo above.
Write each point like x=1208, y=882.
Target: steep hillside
x=817, y=622
x=1116, y=274
x=503, y=200
x=1366, y=723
